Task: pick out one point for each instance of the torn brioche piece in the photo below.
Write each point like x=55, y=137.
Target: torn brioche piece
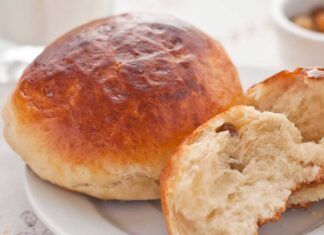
x=235, y=173
x=300, y=96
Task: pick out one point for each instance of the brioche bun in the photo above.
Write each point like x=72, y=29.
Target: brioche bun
x=102, y=109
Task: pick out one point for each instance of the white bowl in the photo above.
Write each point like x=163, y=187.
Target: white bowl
x=298, y=47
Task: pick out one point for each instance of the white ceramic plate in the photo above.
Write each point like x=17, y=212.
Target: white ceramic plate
x=67, y=213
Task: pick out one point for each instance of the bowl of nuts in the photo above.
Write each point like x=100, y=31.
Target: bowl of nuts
x=300, y=30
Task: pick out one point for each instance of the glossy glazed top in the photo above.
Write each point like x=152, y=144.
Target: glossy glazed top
x=128, y=87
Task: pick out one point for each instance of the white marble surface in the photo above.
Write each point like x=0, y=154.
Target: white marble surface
x=244, y=28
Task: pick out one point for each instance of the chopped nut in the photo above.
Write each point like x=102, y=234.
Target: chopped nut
x=319, y=19
x=227, y=127
x=314, y=20
x=304, y=21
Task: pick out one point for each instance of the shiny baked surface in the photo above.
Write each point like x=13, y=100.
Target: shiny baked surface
x=123, y=92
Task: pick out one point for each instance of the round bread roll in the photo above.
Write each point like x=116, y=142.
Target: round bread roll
x=103, y=107
x=236, y=172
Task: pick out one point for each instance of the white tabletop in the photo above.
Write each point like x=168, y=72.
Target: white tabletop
x=243, y=27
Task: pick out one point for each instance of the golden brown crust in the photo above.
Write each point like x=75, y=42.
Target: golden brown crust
x=289, y=76
x=95, y=82
x=125, y=90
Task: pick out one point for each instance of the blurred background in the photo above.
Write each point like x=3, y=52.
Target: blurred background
x=247, y=29
x=256, y=33
x=244, y=28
